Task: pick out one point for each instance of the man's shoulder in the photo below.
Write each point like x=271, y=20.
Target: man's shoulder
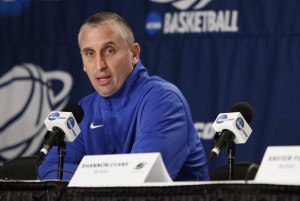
x=156, y=83
x=157, y=90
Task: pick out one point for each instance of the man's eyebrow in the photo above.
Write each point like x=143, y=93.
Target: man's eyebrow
x=105, y=44
x=86, y=49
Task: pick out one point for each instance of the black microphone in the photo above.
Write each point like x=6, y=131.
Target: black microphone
x=245, y=109
x=62, y=127
x=231, y=127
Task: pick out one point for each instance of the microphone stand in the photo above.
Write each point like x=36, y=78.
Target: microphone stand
x=61, y=152
x=227, y=140
x=231, y=156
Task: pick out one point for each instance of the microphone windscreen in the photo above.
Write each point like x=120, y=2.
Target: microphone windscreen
x=76, y=110
x=245, y=109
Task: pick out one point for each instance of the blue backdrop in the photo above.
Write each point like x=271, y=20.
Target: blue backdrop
x=217, y=52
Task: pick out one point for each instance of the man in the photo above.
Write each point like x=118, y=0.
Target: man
x=129, y=112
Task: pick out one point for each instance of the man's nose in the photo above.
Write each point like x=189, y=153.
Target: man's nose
x=100, y=63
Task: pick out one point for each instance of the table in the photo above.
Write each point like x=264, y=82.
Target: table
x=209, y=191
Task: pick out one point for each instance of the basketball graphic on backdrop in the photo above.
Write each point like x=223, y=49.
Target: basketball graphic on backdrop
x=27, y=96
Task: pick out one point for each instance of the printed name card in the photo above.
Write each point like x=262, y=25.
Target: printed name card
x=119, y=169
x=280, y=164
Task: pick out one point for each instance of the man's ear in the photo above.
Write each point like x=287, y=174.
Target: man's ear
x=84, y=69
x=135, y=50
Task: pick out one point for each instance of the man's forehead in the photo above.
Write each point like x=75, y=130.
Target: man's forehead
x=100, y=35
x=100, y=29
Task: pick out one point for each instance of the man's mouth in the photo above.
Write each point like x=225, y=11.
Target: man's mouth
x=103, y=80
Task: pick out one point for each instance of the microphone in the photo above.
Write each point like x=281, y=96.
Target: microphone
x=232, y=127
x=62, y=126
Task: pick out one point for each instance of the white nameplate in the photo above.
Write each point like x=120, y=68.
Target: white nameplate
x=280, y=164
x=119, y=169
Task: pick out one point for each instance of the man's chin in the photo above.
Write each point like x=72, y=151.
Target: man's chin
x=105, y=94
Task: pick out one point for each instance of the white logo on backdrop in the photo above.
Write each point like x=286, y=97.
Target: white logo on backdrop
x=27, y=96
x=189, y=19
x=185, y=4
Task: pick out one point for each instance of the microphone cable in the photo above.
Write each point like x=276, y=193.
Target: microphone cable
x=210, y=158
x=42, y=178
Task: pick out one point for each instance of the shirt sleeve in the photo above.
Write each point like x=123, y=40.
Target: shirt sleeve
x=162, y=127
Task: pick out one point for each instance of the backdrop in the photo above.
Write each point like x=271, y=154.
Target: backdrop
x=217, y=52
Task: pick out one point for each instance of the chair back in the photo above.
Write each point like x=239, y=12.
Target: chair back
x=23, y=168
x=241, y=171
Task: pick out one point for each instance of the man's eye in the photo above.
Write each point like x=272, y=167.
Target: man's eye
x=109, y=51
x=89, y=53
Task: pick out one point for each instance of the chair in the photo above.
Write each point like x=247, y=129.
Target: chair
x=241, y=171
x=23, y=168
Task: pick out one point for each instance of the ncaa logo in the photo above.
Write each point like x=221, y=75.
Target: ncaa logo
x=53, y=116
x=239, y=123
x=70, y=122
x=153, y=23
x=221, y=119
x=27, y=95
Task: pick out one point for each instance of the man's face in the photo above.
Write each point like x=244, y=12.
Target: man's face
x=107, y=59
